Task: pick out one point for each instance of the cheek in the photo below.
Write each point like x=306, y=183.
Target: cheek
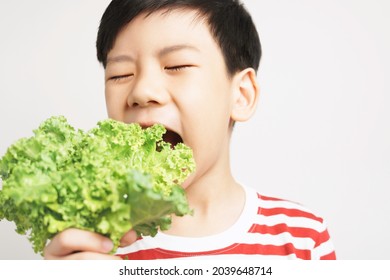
x=115, y=104
x=209, y=133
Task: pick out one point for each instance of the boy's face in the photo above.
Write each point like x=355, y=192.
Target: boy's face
x=166, y=68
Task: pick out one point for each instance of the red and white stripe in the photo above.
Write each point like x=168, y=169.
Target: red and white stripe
x=268, y=228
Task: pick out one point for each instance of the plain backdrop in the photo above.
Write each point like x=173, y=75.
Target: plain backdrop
x=320, y=136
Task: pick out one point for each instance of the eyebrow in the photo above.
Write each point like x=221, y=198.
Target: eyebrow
x=120, y=58
x=167, y=50
x=163, y=52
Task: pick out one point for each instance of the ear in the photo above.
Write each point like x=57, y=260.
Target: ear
x=245, y=95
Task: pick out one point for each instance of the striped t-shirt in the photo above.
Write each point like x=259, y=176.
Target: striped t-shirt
x=268, y=228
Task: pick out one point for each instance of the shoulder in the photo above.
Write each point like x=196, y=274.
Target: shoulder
x=271, y=206
x=282, y=209
x=293, y=223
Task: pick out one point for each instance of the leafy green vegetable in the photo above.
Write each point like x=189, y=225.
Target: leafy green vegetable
x=108, y=180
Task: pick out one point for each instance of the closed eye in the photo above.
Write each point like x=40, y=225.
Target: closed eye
x=120, y=77
x=177, y=68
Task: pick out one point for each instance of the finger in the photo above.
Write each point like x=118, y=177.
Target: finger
x=129, y=238
x=90, y=256
x=75, y=240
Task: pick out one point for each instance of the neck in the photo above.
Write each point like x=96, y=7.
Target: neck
x=211, y=187
x=216, y=198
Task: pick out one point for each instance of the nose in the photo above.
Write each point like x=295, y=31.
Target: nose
x=148, y=89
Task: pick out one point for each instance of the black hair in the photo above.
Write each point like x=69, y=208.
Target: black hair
x=229, y=22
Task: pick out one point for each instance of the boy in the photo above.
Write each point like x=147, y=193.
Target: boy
x=191, y=66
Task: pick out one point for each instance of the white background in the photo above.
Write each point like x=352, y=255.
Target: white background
x=321, y=135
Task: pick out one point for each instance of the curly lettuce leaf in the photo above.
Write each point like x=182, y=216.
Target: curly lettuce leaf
x=108, y=180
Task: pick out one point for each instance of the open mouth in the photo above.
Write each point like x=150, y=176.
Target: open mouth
x=172, y=137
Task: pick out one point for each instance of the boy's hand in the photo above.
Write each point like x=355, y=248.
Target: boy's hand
x=76, y=244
